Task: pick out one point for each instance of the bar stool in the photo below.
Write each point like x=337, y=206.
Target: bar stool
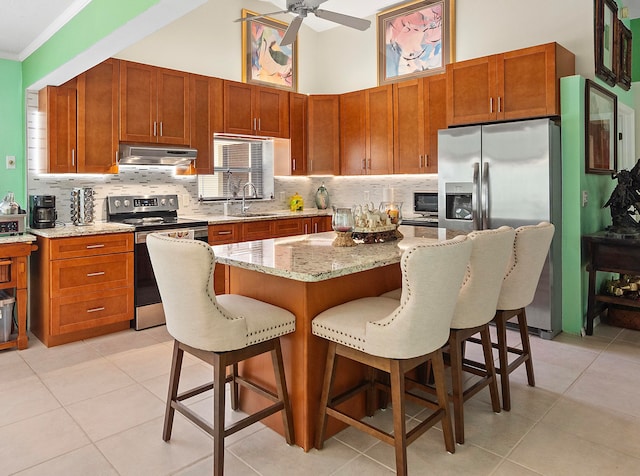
x=519, y=286
x=221, y=331
x=395, y=337
x=474, y=310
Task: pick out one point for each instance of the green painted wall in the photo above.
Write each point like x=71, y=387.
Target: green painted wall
x=94, y=22
x=635, y=49
x=12, y=130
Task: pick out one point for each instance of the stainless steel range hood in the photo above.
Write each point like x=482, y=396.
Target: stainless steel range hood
x=156, y=155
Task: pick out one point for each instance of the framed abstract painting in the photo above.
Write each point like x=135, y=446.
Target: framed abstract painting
x=415, y=39
x=264, y=61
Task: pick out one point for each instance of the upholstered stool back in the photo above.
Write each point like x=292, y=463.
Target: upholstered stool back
x=530, y=250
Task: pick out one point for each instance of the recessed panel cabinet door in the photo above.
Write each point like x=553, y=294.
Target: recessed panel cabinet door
x=353, y=158
x=272, y=106
x=323, y=153
x=59, y=105
x=471, y=90
x=409, y=126
x=98, y=118
x=298, y=133
x=379, y=130
x=238, y=113
x=173, y=107
x=206, y=118
x=138, y=98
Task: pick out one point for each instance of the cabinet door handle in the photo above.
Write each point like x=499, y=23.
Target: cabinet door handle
x=306, y=229
x=73, y=157
x=315, y=228
x=293, y=162
x=259, y=124
x=155, y=128
x=224, y=232
x=96, y=309
x=117, y=157
x=499, y=104
x=254, y=124
x=91, y=247
x=97, y=273
x=491, y=105
x=420, y=161
x=426, y=160
x=160, y=128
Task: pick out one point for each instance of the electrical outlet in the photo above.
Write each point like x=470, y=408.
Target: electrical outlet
x=585, y=198
x=11, y=162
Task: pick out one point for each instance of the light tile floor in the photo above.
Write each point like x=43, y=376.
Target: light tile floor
x=95, y=408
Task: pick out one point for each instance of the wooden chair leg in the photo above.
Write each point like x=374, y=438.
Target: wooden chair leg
x=281, y=385
x=437, y=367
x=455, y=350
x=399, y=426
x=503, y=357
x=491, y=370
x=370, y=407
x=219, y=377
x=234, y=387
x=326, y=391
x=174, y=381
x=526, y=346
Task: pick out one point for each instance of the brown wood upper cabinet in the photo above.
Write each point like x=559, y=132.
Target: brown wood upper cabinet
x=514, y=85
x=298, y=133
x=154, y=104
x=206, y=118
x=82, y=122
x=366, y=131
x=419, y=110
x=255, y=110
x=323, y=152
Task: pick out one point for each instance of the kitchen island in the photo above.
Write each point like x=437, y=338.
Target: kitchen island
x=306, y=275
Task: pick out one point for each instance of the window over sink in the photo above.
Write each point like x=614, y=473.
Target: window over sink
x=238, y=161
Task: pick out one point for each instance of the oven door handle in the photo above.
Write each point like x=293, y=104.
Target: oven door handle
x=199, y=233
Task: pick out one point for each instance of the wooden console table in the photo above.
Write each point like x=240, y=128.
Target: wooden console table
x=610, y=254
x=13, y=278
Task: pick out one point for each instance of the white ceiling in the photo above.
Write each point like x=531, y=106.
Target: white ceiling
x=27, y=24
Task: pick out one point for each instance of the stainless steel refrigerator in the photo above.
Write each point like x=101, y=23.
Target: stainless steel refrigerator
x=507, y=174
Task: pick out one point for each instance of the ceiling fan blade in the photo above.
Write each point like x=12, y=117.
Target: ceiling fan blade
x=346, y=20
x=292, y=32
x=253, y=17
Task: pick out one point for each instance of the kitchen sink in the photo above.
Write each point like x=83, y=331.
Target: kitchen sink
x=249, y=215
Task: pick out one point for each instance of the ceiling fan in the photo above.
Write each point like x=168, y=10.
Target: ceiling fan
x=302, y=8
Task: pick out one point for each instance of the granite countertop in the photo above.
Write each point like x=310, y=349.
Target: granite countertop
x=311, y=258
x=24, y=238
x=69, y=230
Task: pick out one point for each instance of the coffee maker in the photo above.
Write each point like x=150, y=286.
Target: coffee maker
x=42, y=211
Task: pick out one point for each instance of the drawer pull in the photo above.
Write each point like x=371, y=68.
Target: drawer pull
x=91, y=275
x=91, y=247
x=224, y=232
x=96, y=309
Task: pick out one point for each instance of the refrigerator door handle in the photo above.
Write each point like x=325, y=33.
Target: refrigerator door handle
x=485, y=196
x=475, y=196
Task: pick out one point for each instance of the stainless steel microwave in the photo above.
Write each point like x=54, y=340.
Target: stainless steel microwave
x=425, y=203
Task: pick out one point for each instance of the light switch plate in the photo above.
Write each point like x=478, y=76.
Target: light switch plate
x=11, y=162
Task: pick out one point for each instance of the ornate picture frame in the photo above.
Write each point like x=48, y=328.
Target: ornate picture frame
x=264, y=62
x=605, y=26
x=415, y=39
x=623, y=56
x=601, y=129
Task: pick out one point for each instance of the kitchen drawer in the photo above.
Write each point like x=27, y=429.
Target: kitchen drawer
x=225, y=233
x=91, y=310
x=257, y=230
x=288, y=227
x=77, y=247
x=85, y=275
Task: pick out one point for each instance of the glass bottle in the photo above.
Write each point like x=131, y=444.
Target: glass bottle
x=322, y=198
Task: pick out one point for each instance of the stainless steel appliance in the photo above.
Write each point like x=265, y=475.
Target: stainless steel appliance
x=149, y=214
x=425, y=209
x=507, y=174
x=13, y=224
x=42, y=211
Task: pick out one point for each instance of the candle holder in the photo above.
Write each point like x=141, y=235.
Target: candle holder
x=342, y=223
x=394, y=211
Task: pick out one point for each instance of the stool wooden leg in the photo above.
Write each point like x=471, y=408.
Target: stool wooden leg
x=219, y=377
x=234, y=387
x=526, y=346
x=281, y=384
x=174, y=380
x=326, y=391
x=399, y=426
x=503, y=357
x=491, y=370
x=455, y=350
x=437, y=365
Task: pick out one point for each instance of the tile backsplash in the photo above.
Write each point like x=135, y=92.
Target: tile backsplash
x=343, y=190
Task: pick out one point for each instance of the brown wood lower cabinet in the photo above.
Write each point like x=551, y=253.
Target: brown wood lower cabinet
x=81, y=287
x=226, y=233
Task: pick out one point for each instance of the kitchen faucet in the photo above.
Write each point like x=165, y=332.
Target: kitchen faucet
x=255, y=195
